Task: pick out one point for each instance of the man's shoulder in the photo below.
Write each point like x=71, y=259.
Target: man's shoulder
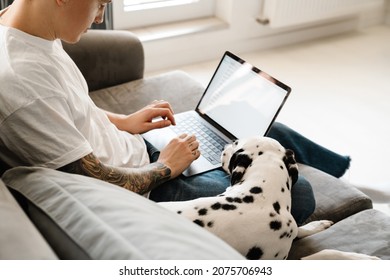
x=28, y=67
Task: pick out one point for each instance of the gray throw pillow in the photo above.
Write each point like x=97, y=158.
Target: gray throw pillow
x=19, y=239
x=85, y=218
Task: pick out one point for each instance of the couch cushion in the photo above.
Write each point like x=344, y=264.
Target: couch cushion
x=176, y=87
x=335, y=199
x=19, y=239
x=367, y=232
x=85, y=218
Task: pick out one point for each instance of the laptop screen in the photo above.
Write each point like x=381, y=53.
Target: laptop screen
x=242, y=99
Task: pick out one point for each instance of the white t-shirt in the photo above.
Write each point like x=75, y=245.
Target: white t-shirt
x=46, y=115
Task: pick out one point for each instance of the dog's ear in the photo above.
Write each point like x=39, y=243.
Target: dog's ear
x=238, y=164
x=291, y=165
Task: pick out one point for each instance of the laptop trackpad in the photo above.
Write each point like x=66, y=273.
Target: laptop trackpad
x=160, y=139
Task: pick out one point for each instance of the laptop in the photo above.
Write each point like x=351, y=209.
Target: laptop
x=240, y=101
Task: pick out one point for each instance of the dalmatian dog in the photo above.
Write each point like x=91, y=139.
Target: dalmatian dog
x=253, y=214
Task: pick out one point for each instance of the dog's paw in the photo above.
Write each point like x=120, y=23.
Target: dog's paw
x=313, y=227
x=330, y=254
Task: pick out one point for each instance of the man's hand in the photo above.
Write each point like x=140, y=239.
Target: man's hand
x=144, y=120
x=179, y=154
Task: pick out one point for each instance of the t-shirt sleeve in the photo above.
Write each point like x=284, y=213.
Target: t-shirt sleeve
x=42, y=133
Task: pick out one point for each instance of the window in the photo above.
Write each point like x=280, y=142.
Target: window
x=139, y=13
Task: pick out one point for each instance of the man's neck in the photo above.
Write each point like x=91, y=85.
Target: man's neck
x=29, y=17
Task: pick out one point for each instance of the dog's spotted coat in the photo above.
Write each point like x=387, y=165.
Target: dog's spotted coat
x=253, y=214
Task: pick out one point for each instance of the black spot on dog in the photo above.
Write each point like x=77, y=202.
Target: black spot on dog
x=276, y=255
x=234, y=200
x=260, y=153
x=202, y=212
x=179, y=212
x=283, y=190
x=255, y=253
x=272, y=214
x=199, y=222
x=256, y=190
x=282, y=167
x=288, y=208
x=238, y=159
x=285, y=234
x=236, y=177
x=210, y=224
x=248, y=199
x=289, y=223
x=290, y=163
x=196, y=208
x=275, y=225
x=229, y=207
x=288, y=185
x=216, y=206
x=276, y=206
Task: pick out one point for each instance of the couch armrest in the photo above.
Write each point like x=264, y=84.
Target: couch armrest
x=108, y=57
x=177, y=87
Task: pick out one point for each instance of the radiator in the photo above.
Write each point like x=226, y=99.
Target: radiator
x=283, y=13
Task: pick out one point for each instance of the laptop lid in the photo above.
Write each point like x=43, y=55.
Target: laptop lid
x=241, y=100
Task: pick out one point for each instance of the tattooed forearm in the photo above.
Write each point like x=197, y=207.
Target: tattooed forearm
x=139, y=180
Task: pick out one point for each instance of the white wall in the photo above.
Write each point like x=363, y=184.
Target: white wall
x=243, y=33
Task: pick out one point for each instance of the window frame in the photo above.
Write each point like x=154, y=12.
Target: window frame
x=176, y=10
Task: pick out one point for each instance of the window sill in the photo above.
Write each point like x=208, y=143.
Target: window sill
x=177, y=29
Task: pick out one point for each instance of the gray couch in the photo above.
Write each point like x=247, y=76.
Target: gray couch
x=75, y=217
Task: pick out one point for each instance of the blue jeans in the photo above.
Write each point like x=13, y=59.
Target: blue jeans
x=216, y=181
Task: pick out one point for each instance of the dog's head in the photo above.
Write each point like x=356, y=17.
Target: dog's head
x=238, y=156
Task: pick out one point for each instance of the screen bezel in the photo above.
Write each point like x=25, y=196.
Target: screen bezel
x=258, y=72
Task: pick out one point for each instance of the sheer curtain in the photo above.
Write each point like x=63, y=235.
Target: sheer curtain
x=107, y=24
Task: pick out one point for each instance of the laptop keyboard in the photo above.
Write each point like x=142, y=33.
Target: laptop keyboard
x=210, y=144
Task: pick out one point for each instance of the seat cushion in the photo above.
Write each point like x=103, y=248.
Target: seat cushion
x=335, y=199
x=367, y=232
x=85, y=218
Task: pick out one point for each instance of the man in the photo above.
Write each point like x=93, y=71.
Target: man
x=47, y=118
x=68, y=20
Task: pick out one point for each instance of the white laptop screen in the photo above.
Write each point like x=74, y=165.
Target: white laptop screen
x=242, y=99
